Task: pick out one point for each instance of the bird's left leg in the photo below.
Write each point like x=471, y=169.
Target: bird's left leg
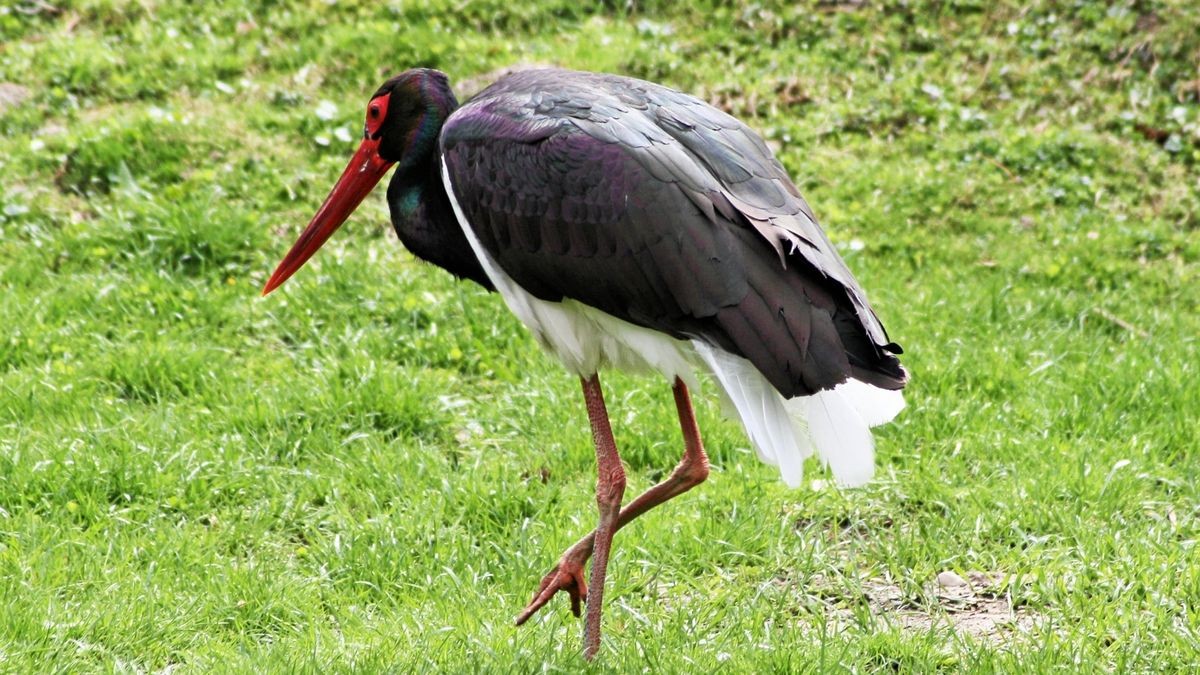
x=610, y=488
x=567, y=575
x=692, y=470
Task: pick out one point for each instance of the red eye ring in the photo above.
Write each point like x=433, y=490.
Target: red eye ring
x=377, y=111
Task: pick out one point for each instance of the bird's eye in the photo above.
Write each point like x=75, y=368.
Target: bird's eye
x=377, y=111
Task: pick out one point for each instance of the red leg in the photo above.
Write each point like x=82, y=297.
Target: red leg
x=610, y=488
x=690, y=472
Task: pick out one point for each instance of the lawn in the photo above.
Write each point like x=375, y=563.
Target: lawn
x=371, y=469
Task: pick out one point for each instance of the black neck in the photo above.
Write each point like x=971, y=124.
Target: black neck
x=425, y=221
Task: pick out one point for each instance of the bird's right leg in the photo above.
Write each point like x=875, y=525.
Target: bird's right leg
x=692, y=470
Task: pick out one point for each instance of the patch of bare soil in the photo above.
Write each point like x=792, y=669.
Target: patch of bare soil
x=12, y=95
x=979, y=606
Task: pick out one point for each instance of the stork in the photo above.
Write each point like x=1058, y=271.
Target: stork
x=632, y=226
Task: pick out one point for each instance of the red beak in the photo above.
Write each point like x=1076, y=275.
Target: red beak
x=357, y=181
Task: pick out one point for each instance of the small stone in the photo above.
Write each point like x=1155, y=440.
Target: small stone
x=949, y=579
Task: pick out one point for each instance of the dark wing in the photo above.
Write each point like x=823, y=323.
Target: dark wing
x=658, y=209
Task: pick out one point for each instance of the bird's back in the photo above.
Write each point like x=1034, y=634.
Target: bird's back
x=656, y=208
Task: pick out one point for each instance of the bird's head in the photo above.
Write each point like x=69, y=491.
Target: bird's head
x=404, y=118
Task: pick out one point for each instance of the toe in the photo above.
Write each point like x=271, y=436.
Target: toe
x=564, y=577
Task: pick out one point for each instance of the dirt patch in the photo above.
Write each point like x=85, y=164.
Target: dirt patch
x=12, y=95
x=979, y=606
x=777, y=97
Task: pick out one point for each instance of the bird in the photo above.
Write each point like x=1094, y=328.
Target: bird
x=632, y=226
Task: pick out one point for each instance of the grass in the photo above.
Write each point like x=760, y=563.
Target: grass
x=371, y=469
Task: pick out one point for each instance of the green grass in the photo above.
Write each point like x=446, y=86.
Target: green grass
x=371, y=469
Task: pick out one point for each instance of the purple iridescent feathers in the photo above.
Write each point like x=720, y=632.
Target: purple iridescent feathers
x=662, y=211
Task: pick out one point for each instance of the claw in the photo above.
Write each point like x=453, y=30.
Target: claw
x=566, y=576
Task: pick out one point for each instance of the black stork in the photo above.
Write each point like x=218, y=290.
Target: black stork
x=632, y=226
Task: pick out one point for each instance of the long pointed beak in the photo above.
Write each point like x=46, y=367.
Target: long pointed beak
x=365, y=169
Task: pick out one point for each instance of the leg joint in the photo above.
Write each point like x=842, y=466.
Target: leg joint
x=696, y=472
x=690, y=472
x=610, y=487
